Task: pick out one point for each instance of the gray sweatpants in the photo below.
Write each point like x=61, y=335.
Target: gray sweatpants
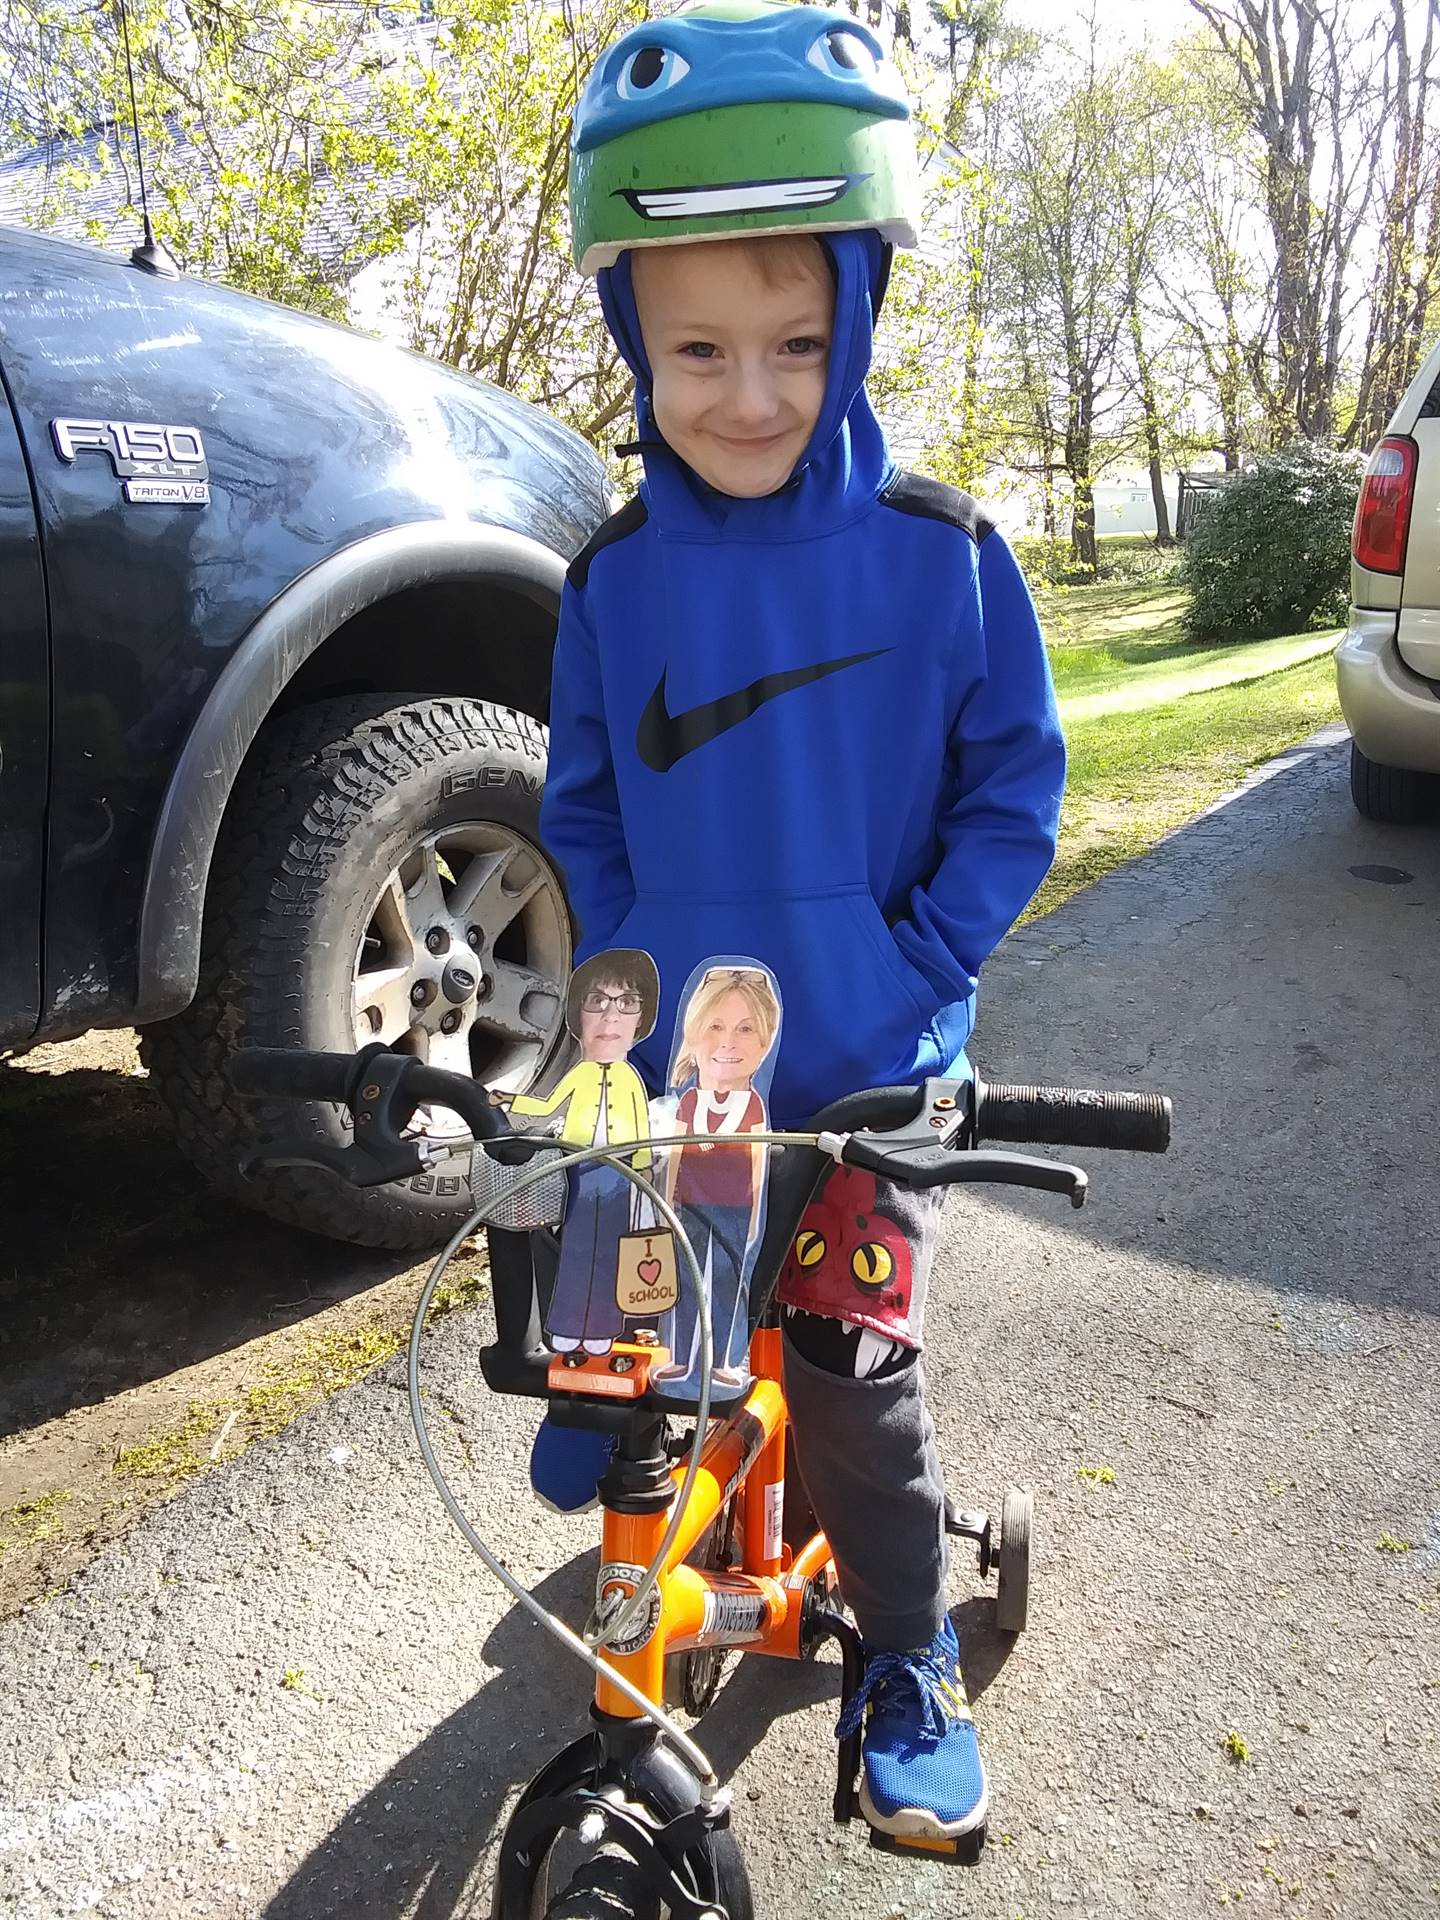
x=866, y=1454
x=865, y=1448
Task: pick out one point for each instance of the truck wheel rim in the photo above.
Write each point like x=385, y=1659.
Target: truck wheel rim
x=464, y=958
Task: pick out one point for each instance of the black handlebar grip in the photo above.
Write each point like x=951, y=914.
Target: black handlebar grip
x=1075, y=1117
x=290, y=1073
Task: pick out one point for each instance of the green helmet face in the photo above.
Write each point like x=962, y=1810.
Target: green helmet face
x=739, y=117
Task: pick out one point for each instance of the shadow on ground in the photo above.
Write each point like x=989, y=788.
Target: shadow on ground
x=117, y=1266
x=440, y=1808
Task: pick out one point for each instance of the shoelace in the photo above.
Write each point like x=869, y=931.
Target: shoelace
x=939, y=1701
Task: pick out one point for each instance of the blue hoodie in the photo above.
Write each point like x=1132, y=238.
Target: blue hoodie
x=817, y=728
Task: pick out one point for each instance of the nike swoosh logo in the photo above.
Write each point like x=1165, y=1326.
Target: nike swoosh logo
x=663, y=738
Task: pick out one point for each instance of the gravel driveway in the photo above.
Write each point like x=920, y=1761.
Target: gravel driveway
x=293, y=1694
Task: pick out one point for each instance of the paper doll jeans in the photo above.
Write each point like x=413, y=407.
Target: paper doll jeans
x=597, y=1213
x=720, y=1236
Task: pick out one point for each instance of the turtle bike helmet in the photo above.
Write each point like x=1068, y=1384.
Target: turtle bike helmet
x=737, y=117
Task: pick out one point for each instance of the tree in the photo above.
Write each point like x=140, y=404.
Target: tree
x=1146, y=199
x=1299, y=74
x=461, y=174
x=1405, y=304
x=1211, y=290
x=238, y=109
x=1066, y=253
x=290, y=142
x=928, y=376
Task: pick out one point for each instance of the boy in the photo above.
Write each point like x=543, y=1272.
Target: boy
x=801, y=710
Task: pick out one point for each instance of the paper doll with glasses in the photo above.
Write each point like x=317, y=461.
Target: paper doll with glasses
x=721, y=1069
x=606, y=1271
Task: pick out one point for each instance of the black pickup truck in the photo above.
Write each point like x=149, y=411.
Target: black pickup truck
x=277, y=607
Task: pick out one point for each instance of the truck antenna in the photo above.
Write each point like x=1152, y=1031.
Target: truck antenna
x=153, y=255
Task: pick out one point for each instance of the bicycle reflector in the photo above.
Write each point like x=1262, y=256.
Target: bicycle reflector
x=1382, y=514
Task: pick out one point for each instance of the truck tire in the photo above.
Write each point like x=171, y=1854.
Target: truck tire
x=378, y=876
x=1396, y=795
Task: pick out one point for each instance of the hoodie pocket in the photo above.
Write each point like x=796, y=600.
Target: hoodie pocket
x=855, y=1013
x=908, y=979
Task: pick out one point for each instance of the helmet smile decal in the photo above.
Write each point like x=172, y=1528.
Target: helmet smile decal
x=738, y=196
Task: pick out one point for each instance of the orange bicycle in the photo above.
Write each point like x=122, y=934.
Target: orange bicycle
x=705, y=1547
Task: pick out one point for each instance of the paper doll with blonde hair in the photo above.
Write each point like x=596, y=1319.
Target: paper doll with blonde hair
x=721, y=1068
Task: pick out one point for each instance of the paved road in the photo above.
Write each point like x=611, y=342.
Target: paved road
x=1246, y=1333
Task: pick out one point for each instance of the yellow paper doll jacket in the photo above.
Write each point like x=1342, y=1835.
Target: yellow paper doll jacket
x=581, y=1092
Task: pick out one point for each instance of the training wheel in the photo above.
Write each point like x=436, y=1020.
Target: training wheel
x=1012, y=1598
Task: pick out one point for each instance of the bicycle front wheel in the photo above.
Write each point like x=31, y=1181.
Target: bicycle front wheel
x=612, y=1886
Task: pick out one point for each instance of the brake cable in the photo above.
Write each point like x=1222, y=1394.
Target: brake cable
x=605, y=1625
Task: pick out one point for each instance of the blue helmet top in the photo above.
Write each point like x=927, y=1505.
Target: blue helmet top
x=690, y=62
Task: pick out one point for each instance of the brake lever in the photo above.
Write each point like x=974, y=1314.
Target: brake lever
x=933, y=1164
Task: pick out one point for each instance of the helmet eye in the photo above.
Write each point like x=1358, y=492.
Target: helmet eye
x=844, y=54
x=650, y=70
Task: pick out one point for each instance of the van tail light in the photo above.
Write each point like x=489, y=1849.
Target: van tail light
x=1382, y=515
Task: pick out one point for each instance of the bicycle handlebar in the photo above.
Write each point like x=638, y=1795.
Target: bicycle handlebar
x=1073, y=1117
x=1034, y=1116
x=288, y=1074
x=917, y=1136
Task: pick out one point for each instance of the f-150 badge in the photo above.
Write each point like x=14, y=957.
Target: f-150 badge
x=164, y=466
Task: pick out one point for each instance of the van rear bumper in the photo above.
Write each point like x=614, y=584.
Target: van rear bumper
x=1393, y=713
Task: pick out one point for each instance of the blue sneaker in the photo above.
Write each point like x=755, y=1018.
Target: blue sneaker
x=923, y=1774
x=566, y=1464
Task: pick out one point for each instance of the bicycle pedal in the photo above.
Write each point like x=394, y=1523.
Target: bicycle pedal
x=621, y=1374
x=965, y=1849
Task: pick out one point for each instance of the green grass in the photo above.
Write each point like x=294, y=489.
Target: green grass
x=317, y=1369
x=322, y=1367
x=1110, y=626
x=34, y=1520
x=1121, y=647
x=1157, y=728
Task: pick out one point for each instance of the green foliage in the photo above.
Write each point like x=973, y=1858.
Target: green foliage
x=238, y=111
x=1272, y=555
x=1123, y=557
x=460, y=172
x=289, y=143
x=927, y=349
x=1090, y=290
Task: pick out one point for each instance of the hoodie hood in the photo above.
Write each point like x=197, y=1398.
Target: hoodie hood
x=847, y=461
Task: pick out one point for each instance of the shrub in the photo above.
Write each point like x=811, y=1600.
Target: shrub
x=1272, y=555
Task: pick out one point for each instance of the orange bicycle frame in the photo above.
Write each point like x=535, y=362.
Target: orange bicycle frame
x=757, y=1606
